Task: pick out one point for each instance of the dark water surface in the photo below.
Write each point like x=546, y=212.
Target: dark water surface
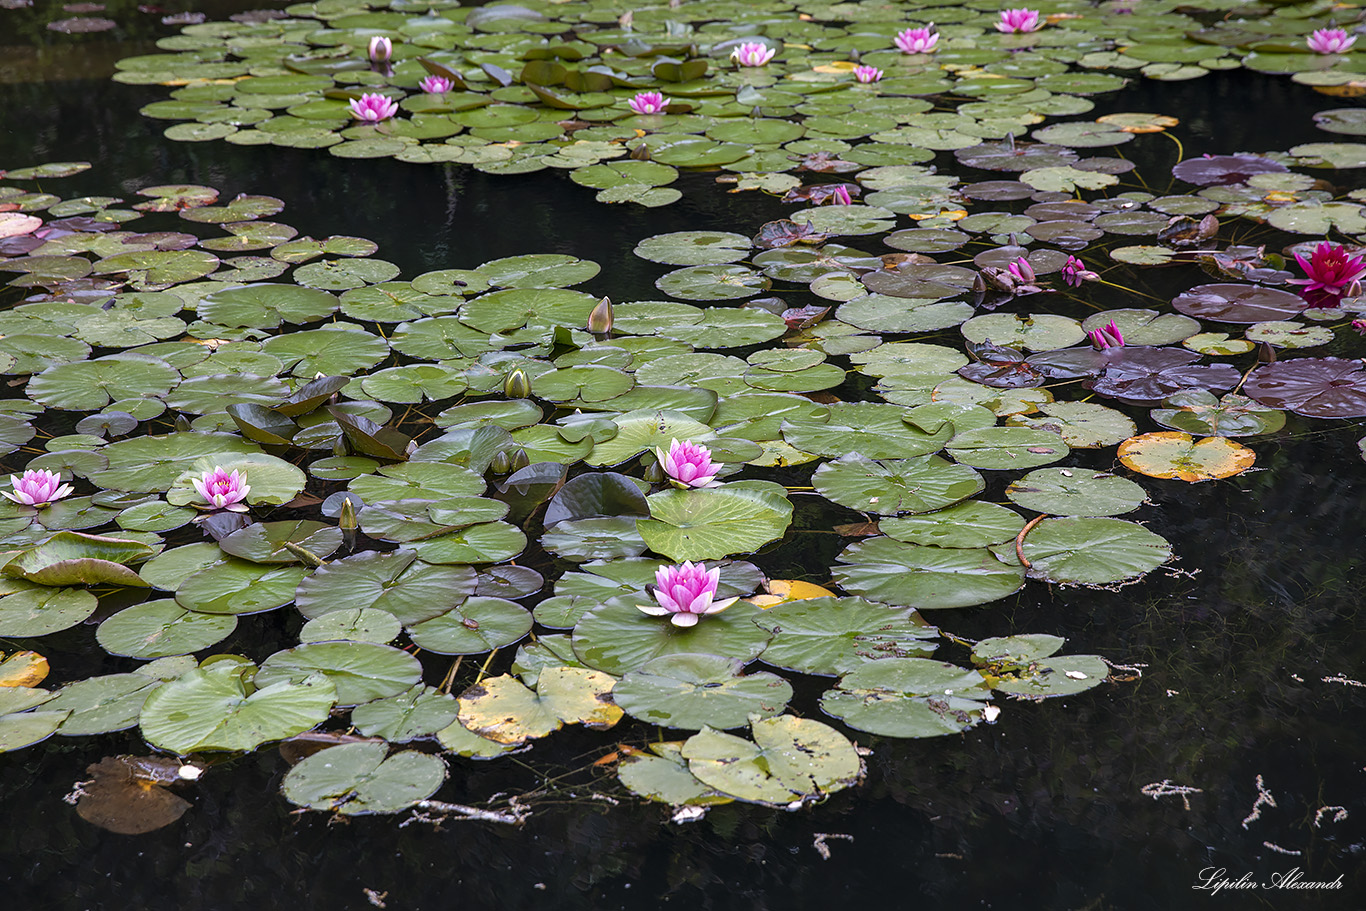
x=1042, y=810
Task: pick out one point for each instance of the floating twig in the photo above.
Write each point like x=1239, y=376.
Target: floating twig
x=1165, y=788
x=1264, y=799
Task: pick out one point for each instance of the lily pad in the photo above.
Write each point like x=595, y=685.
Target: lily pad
x=697, y=691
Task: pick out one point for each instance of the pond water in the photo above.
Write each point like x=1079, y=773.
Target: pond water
x=1243, y=659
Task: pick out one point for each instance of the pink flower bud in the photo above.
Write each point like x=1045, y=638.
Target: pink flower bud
x=380, y=50
x=867, y=73
x=1108, y=336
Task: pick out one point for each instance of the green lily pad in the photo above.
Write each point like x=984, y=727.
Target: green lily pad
x=927, y=578
x=908, y=697
x=923, y=484
x=157, y=629
x=696, y=691
x=354, y=779
x=829, y=636
x=791, y=759
x=472, y=627
x=396, y=582
x=708, y=524
x=1092, y=551
x=209, y=708
x=418, y=712
x=1076, y=492
x=617, y=638
x=360, y=671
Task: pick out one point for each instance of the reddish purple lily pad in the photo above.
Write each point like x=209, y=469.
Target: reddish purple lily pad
x=1146, y=376
x=1235, y=303
x=81, y=25
x=1019, y=156
x=1219, y=170
x=999, y=366
x=1319, y=387
x=997, y=190
x=1069, y=210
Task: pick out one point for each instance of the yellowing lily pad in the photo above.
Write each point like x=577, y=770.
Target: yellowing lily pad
x=1170, y=454
x=504, y=710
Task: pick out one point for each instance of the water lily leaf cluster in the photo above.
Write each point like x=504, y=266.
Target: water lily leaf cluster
x=539, y=84
x=467, y=462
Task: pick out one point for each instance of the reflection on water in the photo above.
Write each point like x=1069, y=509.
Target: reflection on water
x=1046, y=809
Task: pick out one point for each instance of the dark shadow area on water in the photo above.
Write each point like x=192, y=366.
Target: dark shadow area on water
x=1045, y=809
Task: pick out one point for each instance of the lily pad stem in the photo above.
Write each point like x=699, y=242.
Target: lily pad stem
x=1019, y=539
x=483, y=670
x=450, y=675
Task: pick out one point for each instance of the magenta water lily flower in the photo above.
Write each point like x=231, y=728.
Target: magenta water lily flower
x=1022, y=270
x=1108, y=336
x=685, y=593
x=1330, y=268
x=1019, y=20
x=867, y=73
x=752, y=53
x=1330, y=41
x=1074, y=272
x=37, y=488
x=917, y=40
x=373, y=107
x=687, y=464
x=840, y=196
x=648, y=103
x=435, y=85
x=222, y=490
x=380, y=50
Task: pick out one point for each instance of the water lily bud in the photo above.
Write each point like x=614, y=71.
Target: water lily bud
x=182, y=424
x=654, y=472
x=520, y=460
x=517, y=385
x=600, y=320
x=339, y=447
x=306, y=556
x=347, y=520
x=502, y=462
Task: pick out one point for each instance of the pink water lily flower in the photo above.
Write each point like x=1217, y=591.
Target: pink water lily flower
x=37, y=488
x=1019, y=20
x=1330, y=268
x=648, y=103
x=380, y=50
x=373, y=107
x=222, y=490
x=435, y=85
x=1074, y=272
x=1108, y=336
x=1330, y=41
x=1022, y=270
x=752, y=53
x=840, y=197
x=687, y=464
x=685, y=593
x=867, y=74
x=917, y=40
